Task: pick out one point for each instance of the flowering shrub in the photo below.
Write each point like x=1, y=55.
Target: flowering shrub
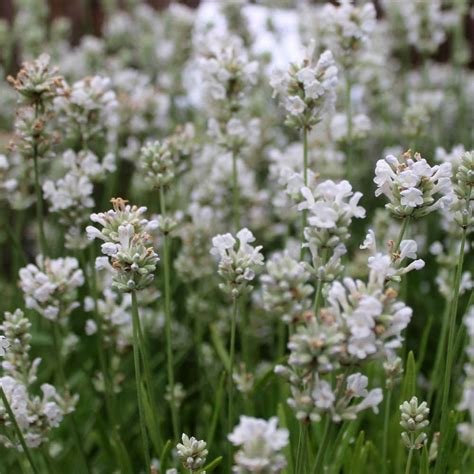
x=285, y=285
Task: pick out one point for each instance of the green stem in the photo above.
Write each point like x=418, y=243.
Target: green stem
x=388, y=401
x=169, y=350
x=235, y=192
x=299, y=450
x=18, y=430
x=39, y=195
x=318, y=465
x=304, y=215
x=230, y=382
x=319, y=285
x=410, y=457
x=349, y=125
x=403, y=229
x=451, y=335
x=437, y=371
x=138, y=381
x=63, y=382
x=145, y=353
x=109, y=395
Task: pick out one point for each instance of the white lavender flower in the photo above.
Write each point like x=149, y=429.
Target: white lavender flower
x=157, y=164
x=347, y=28
x=237, y=261
x=35, y=415
x=307, y=90
x=414, y=418
x=127, y=244
x=361, y=126
x=4, y=345
x=393, y=265
x=285, y=288
x=331, y=207
x=227, y=72
x=413, y=187
x=50, y=286
x=424, y=23
x=192, y=452
x=88, y=108
x=260, y=443
x=37, y=82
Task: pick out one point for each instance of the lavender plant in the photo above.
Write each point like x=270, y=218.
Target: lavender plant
x=334, y=337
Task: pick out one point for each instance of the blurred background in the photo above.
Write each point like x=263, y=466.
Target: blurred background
x=87, y=16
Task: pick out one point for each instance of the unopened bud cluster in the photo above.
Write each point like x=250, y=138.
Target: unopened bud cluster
x=414, y=419
x=192, y=452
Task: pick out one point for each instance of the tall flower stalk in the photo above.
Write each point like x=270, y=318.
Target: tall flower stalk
x=137, y=350
x=237, y=263
x=167, y=292
x=127, y=244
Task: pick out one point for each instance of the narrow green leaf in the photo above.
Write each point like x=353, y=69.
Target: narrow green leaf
x=287, y=450
x=409, y=381
x=220, y=349
x=424, y=463
x=150, y=422
x=212, y=465
x=217, y=409
x=164, y=455
x=423, y=343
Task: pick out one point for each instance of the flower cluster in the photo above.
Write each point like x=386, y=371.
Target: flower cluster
x=37, y=82
x=227, y=72
x=260, y=443
x=236, y=264
x=127, y=244
x=413, y=187
x=157, y=164
x=414, y=418
x=347, y=28
x=285, y=288
x=50, y=286
x=35, y=415
x=87, y=109
x=331, y=207
x=192, y=452
x=307, y=90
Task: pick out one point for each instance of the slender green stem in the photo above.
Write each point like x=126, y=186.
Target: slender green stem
x=299, y=449
x=451, y=335
x=408, y=465
x=39, y=195
x=63, y=382
x=11, y=415
x=349, y=125
x=109, y=395
x=304, y=215
x=138, y=381
x=150, y=392
x=235, y=192
x=437, y=371
x=319, y=285
x=305, y=156
x=230, y=382
x=169, y=350
x=386, y=422
x=318, y=465
x=403, y=229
